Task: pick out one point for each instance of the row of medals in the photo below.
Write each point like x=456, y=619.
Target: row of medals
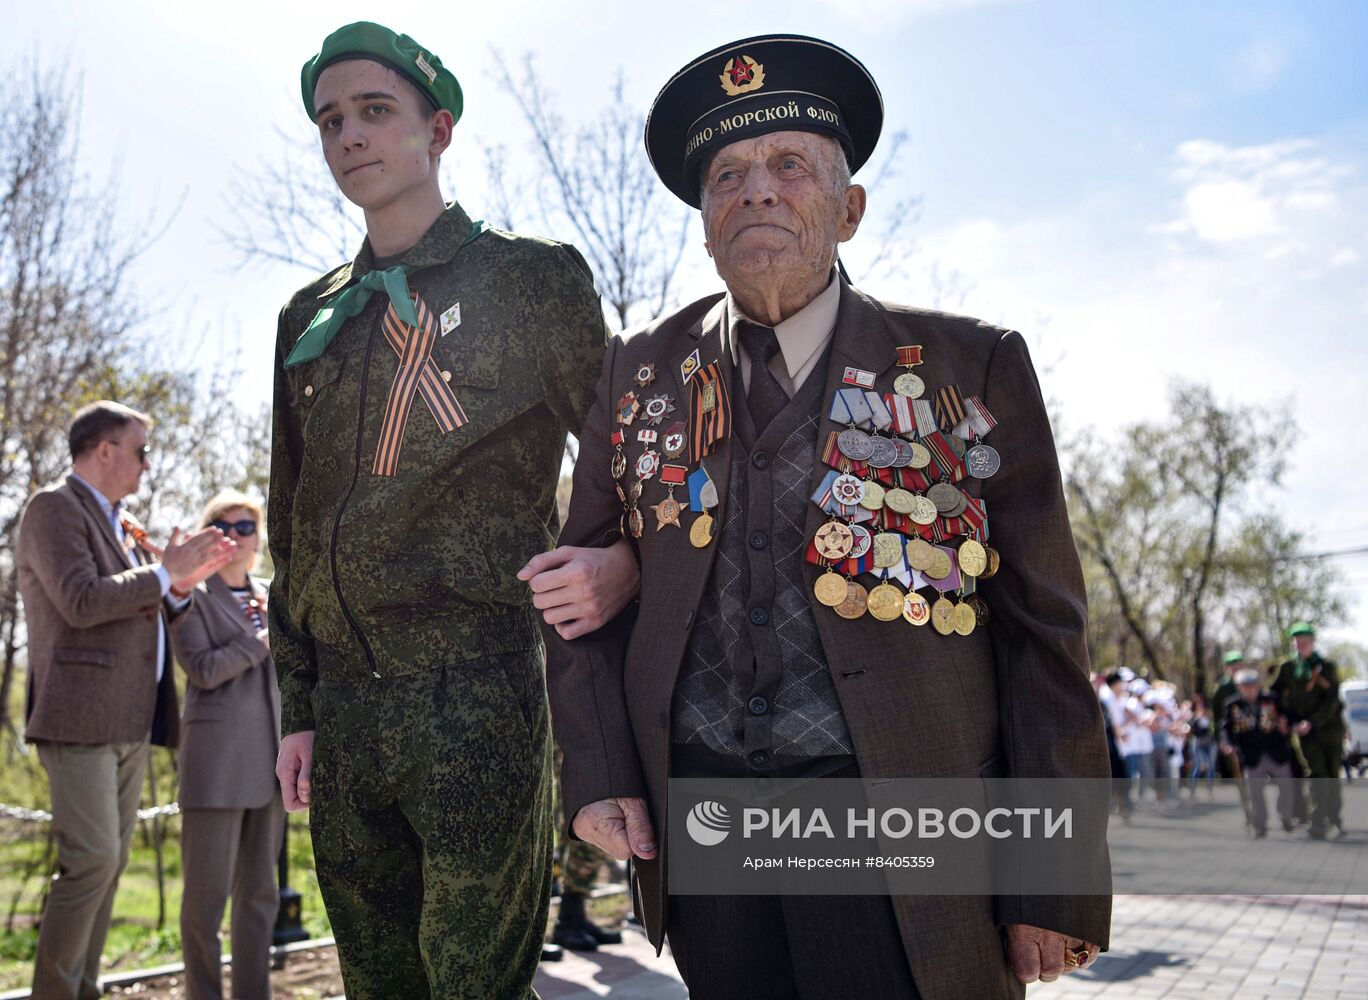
x=837, y=540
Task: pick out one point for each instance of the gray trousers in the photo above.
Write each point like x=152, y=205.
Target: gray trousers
x=94, y=789
x=1257, y=778
x=230, y=852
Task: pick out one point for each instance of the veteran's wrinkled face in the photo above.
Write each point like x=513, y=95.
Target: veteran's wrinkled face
x=776, y=206
x=380, y=137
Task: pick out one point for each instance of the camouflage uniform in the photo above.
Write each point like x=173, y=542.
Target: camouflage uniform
x=1310, y=692
x=399, y=629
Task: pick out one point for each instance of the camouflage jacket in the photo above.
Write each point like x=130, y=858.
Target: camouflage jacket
x=404, y=499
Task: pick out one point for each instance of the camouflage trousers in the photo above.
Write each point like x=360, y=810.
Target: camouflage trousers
x=431, y=822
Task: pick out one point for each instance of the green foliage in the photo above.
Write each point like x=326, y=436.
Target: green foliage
x=1182, y=556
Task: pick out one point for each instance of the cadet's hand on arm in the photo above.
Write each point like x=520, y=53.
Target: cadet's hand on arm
x=191, y=559
x=1303, y=727
x=294, y=767
x=618, y=827
x=579, y=590
x=1035, y=953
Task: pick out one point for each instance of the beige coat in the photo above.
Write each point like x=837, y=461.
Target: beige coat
x=231, y=726
x=92, y=626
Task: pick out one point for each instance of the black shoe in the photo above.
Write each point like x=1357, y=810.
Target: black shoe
x=1288, y=826
x=575, y=938
x=552, y=952
x=601, y=934
x=1258, y=834
x=1316, y=833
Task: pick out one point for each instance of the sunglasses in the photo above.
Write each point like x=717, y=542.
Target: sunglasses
x=245, y=528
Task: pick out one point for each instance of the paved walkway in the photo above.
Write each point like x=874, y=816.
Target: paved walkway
x=1214, y=947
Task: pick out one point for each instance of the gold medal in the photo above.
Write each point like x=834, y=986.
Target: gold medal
x=973, y=560
x=920, y=554
x=965, y=619
x=994, y=561
x=915, y=609
x=923, y=510
x=921, y=455
x=855, y=603
x=701, y=531
x=885, y=602
x=635, y=524
x=830, y=589
x=940, y=565
x=888, y=550
x=834, y=540
x=873, y=497
x=910, y=385
x=943, y=616
x=900, y=501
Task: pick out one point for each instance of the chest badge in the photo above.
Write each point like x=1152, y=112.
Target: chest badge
x=451, y=319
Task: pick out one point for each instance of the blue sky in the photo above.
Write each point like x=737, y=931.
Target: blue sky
x=1147, y=190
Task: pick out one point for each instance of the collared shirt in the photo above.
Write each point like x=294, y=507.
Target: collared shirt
x=803, y=337
x=111, y=511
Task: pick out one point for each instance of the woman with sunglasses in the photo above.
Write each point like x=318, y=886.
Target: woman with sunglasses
x=232, y=819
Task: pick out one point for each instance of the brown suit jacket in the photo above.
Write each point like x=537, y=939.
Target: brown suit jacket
x=1010, y=700
x=92, y=627
x=231, y=725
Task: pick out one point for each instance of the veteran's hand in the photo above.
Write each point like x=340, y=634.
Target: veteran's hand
x=618, y=827
x=1035, y=953
x=579, y=590
x=294, y=768
x=1303, y=728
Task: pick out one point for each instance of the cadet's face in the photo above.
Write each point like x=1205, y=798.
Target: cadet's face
x=773, y=207
x=379, y=136
x=1305, y=645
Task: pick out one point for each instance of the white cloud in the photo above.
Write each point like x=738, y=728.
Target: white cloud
x=1254, y=284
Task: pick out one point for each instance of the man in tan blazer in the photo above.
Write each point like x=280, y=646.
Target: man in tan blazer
x=713, y=442
x=232, y=815
x=97, y=597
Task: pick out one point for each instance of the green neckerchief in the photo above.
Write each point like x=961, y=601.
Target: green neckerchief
x=351, y=300
x=1304, y=667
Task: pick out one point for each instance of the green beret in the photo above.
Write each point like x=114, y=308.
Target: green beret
x=367, y=40
x=1234, y=656
x=1301, y=628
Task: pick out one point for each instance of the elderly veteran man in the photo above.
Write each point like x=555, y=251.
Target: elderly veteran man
x=97, y=598
x=423, y=393
x=808, y=478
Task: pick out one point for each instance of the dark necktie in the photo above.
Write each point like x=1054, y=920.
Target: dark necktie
x=766, y=396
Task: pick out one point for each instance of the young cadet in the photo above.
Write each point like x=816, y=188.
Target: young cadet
x=423, y=392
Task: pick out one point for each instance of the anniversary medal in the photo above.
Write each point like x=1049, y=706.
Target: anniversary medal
x=923, y=511
x=944, y=496
x=873, y=498
x=941, y=565
x=883, y=452
x=965, y=619
x=943, y=616
x=973, y=558
x=830, y=588
x=703, y=530
x=888, y=550
x=994, y=561
x=915, y=609
x=885, y=602
x=900, y=501
x=920, y=554
x=909, y=384
x=983, y=461
x=980, y=606
x=855, y=603
x=921, y=456
x=833, y=541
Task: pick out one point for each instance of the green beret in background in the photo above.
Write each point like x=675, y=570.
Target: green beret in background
x=367, y=40
x=1234, y=656
x=1301, y=628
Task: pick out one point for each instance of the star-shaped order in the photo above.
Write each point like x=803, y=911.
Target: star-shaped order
x=667, y=512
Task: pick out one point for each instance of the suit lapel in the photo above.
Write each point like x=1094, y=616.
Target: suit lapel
x=862, y=339
x=102, y=523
